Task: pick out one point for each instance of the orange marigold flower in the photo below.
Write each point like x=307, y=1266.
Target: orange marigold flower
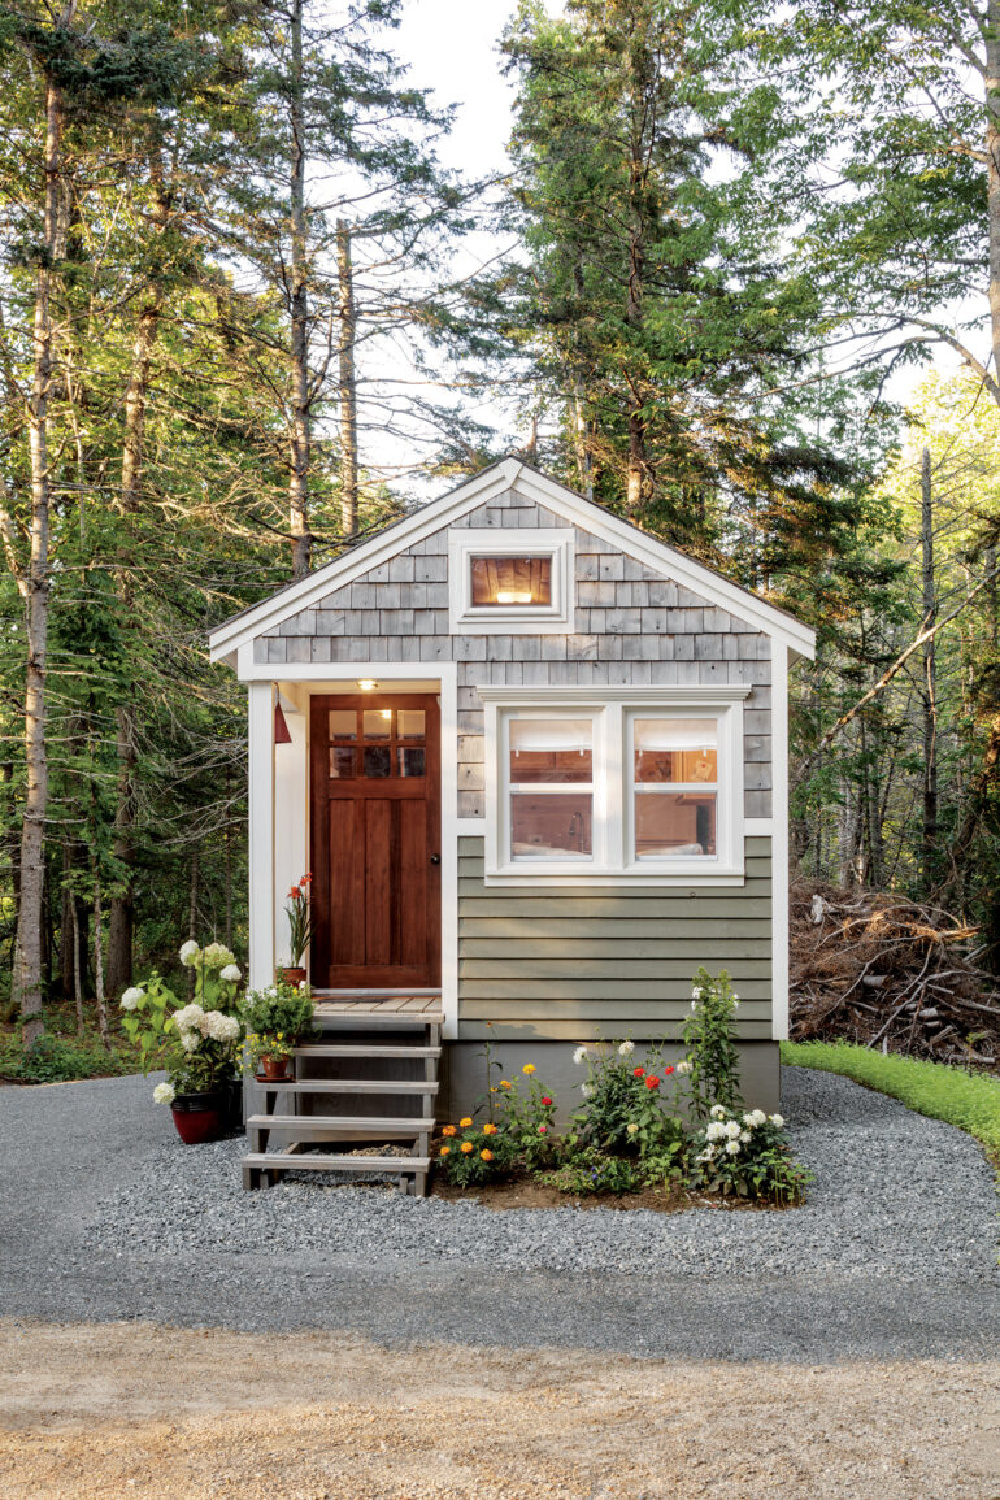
x=445, y=1151
x=489, y=1130
x=528, y=1069
x=466, y=1122
x=466, y=1147
x=486, y=1155
x=448, y=1130
x=505, y=1083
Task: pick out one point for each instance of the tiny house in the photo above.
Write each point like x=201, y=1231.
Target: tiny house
x=536, y=762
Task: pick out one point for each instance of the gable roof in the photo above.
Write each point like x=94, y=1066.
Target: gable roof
x=509, y=473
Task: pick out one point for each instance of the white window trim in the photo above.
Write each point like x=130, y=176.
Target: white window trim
x=510, y=619
x=613, y=862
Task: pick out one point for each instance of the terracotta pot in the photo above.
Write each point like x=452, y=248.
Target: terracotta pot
x=274, y=1069
x=199, y=1117
x=294, y=976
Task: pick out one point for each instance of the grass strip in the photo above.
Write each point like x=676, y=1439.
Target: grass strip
x=969, y=1100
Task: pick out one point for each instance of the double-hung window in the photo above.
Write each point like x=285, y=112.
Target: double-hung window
x=614, y=785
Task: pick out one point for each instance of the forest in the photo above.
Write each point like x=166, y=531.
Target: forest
x=740, y=285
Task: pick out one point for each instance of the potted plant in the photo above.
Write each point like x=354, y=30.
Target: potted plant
x=275, y=1018
x=299, y=929
x=197, y=1044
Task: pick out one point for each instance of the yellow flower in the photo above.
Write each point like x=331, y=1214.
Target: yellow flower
x=528, y=1068
x=466, y=1147
x=493, y=1088
x=486, y=1155
x=448, y=1130
x=504, y=1084
x=489, y=1130
x=445, y=1150
x=466, y=1122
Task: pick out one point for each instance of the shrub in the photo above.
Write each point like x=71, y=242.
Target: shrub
x=710, y=1036
x=747, y=1154
x=55, y=1059
x=624, y=1109
x=280, y=1009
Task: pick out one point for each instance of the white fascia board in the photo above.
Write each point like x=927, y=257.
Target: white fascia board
x=682, y=694
x=664, y=559
x=226, y=638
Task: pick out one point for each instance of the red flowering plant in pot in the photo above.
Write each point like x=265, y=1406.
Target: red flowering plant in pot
x=299, y=929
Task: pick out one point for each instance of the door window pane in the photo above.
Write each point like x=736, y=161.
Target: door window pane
x=668, y=824
x=547, y=827
x=343, y=724
x=551, y=750
x=412, y=760
x=411, y=723
x=378, y=723
x=677, y=750
x=342, y=763
x=499, y=581
x=377, y=761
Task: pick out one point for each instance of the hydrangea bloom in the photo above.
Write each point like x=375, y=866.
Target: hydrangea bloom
x=626, y=1049
x=131, y=998
x=221, y=1028
x=189, y=952
x=217, y=954
x=164, y=1093
x=231, y=973
x=190, y=1018
x=778, y=1120
x=190, y=1041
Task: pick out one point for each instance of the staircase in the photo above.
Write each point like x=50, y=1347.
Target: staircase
x=367, y=1077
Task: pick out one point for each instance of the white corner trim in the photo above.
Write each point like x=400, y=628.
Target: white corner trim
x=758, y=828
x=261, y=833
x=511, y=619
x=779, y=844
x=470, y=828
x=510, y=474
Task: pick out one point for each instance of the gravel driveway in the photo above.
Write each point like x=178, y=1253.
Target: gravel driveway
x=106, y=1216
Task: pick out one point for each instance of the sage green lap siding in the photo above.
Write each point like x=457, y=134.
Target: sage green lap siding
x=588, y=961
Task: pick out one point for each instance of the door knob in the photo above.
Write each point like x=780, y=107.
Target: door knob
x=435, y=859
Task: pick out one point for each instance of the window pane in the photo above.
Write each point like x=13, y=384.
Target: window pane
x=378, y=723
x=377, y=762
x=343, y=724
x=672, y=823
x=341, y=763
x=511, y=580
x=411, y=760
x=554, y=750
x=676, y=750
x=551, y=827
x=411, y=723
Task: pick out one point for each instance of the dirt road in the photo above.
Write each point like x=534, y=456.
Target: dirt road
x=123, y=1409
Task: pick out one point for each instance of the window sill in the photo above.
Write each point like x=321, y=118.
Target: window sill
x=572, y=875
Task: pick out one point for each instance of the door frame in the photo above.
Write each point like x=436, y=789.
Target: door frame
x=426, y=792
x=305, y=678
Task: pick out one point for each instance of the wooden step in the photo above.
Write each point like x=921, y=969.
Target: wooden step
x=409, y=1169
x=369, y=1018
x=347, y=1086
x=361, y=1049
x=357, y=1124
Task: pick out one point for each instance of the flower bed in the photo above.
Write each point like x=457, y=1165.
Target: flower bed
x=651, y=1132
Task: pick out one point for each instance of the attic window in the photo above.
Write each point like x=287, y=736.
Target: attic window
x=510, y=582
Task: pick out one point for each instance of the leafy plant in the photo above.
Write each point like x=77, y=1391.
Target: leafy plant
x=747, y=1154
x=624, y=1110
x=54, y=1059
x=196, y=1043
x=713, y=1060
x=591, y=1170
x=299, y=920
x=279, y=1011
x=528, y=1120
x=470, y=1154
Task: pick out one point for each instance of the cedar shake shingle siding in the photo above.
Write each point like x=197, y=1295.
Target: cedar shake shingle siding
x=633, y=626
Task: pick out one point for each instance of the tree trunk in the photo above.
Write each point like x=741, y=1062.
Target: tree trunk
x=348, y=385
x=193, y=917
x=28, y=961
x=929, y=693
x=991, y=32
x=102, y=1008
x=299, y=316
x=77, y=976
x=229, y=859
x=636, y=422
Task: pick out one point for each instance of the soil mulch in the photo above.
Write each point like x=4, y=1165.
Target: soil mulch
x=525, y=1192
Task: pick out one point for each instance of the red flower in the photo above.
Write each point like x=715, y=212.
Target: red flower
x=543, y=1130
x=295, y=893
x=639, y=1073
x=652, y=1082
x=306, y=879
x=667, y=1071
x=546, y=1099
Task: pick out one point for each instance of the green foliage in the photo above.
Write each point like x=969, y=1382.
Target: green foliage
x=710, y=1036
x=624, y=1107
x=56, y=1059
x=526, y=1119
x=588, y=1169
x=746, y=1154
x=281, y=1010
x=471, y=1154
x=971, y=1101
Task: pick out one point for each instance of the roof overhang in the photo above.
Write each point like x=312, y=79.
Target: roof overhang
x=226, y=640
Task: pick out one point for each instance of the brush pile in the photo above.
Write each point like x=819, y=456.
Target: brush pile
x=876, y=969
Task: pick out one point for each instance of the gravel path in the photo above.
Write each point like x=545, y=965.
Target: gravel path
x=106, y=1215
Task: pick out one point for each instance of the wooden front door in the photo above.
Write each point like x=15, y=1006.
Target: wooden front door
x=375, y=810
